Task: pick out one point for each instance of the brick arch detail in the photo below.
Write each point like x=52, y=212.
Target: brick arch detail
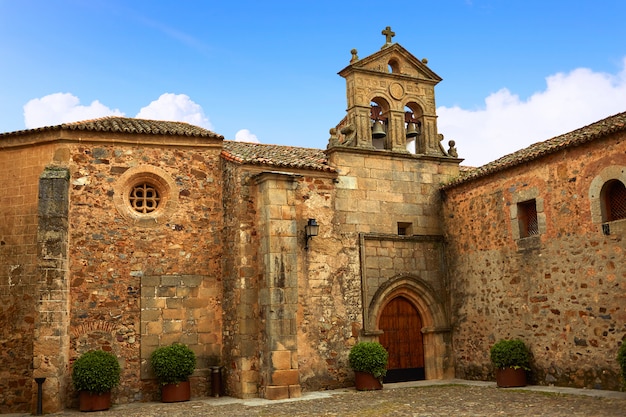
x=436, y=328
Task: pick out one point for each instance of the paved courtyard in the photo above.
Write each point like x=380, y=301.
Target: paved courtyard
x=416, y=399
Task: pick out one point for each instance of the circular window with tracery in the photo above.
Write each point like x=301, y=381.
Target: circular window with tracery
x=145, y=195
x=144, y=198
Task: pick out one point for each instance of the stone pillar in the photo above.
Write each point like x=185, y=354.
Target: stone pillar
x=430, y=136
x=278, y=296
x=438, y=355
x=363, y=127
x=51, y=341
x=396, y=132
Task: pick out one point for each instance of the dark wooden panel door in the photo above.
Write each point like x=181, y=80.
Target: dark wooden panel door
x=402, y=337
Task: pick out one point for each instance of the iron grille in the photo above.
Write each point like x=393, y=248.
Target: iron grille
x=616, y=201
x=527, y=214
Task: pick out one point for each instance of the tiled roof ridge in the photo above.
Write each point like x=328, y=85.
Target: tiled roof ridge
x=120, y=124
x=282, y=156
x=266, y=145
x=537, y=150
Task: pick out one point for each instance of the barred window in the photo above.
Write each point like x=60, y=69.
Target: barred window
x=614, y=200
x=527, y=216
x=404, y=229
x=144, y=198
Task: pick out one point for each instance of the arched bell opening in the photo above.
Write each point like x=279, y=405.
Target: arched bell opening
x=379, y=120
x=393, y=66
x=413, y=116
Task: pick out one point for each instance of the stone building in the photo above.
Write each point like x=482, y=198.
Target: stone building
x=535, y=250
x=127, y=234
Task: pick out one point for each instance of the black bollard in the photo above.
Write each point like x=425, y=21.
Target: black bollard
x=40, y=382
x=216, y=381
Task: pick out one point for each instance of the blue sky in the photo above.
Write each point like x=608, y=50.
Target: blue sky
x=514, y=72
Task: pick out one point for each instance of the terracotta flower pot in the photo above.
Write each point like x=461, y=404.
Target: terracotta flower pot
x=172, y=393
x=510, y=377
x=364, y=381
x=91, y=401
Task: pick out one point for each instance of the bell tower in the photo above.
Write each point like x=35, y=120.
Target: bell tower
x=387, y=207
x=391, y=103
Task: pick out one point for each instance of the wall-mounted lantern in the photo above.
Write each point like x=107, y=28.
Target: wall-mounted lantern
x=311, y=229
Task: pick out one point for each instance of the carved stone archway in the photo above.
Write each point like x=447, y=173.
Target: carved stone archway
x=436, y=329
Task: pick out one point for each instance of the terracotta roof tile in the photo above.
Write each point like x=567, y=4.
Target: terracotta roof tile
x=276, y=156
x=577, y=137
x=126, y=125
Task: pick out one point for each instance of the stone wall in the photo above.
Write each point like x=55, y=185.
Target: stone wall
x=328, y=304
x=138, y=282
x=329, y=311
x=241, y=285
x=387, y=215
x=562, y=291
x=20, y=168
x=387, y=258
x=376, y=190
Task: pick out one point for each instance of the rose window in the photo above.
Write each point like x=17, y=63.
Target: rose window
x=144, y=198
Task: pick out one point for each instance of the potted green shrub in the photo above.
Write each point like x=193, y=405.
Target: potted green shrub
x=173, y=365
x=621, y=359
x=94, y=375
x=368, y=360
x=511, y=360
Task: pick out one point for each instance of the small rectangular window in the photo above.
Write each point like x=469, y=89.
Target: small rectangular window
x=527, y=216
x=404, y=229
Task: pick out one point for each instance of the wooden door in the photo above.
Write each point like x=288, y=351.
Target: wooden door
x=402, y=337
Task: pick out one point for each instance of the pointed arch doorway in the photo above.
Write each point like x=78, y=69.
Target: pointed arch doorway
x=401, y=325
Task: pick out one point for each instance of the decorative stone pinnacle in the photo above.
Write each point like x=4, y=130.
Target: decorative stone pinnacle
x=354, y=56
x=388, y=35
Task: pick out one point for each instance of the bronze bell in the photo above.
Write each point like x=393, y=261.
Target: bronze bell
x=378, y=131
x=412, y=131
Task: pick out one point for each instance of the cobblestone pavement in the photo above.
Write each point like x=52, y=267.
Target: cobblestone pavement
x=450, y=399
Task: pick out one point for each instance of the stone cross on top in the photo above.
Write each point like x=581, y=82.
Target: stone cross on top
x=388, y=35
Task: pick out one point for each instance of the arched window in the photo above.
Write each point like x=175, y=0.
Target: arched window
x=613, y=197
x=393, y=66
x=379, y=123
x=413, y=128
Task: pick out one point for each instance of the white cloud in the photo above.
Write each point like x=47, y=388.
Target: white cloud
x=175, y=107
x=508, y=123
x=60, y=108
x=244, y=135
